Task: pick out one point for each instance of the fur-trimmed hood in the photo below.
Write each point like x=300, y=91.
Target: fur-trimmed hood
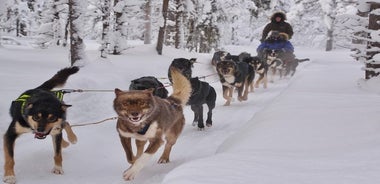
x=278, y=14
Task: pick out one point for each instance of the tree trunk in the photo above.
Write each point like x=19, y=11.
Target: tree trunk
x=118, y=29
x=178, y=24
x=161, y=32
x=148, y=22
x=76, y=42
x=373, y=25
x=106, y=23
x=329, y=42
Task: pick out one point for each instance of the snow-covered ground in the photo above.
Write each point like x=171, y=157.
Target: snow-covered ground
x=320, y=126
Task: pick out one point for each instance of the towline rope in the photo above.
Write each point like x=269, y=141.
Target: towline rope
x=94, y=123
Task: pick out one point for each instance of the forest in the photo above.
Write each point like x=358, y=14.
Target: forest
x=195, y=25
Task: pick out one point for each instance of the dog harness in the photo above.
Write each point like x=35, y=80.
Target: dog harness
x=24, y=97
x=144, y=129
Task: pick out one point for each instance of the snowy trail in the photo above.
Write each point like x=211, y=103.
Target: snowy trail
x=285, y=143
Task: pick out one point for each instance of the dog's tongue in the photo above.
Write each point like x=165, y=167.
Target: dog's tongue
x=39, y=135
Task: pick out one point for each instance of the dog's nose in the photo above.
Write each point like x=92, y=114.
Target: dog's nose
x=134, y=113
x=40, y=129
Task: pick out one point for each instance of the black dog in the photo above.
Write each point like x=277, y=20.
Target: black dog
x=42, y=112
x=235, y=74
x=149, y=82
x=202, y=92
x=261, y=68
x=184, y=65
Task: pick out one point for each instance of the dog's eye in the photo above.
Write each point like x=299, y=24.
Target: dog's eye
x=52, y=118
x=126, y=103
x=142, y=103
x=36, y=117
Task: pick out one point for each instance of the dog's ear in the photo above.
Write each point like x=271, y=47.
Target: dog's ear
x=193, y=60
x=117, y=91
x=65, y=106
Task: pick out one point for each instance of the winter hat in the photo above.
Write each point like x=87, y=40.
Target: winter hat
x=278, y=14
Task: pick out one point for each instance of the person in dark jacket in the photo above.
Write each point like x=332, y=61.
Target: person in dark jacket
x=277, y=24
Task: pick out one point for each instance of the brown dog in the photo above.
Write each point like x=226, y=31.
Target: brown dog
x=146, y=117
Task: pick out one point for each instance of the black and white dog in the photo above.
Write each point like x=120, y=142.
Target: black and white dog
x=235, y=74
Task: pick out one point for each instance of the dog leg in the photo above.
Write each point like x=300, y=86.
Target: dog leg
x=257, y=84
x=171, y=138
x=140, y=162
x=8, y=146
x=227, y=94
x=265, y=81
x=211, y=106
x=196, y=115
x=126, y=143
x=140, y=147
x=245, y=94
x=70, y=133
x=240, y=93
x=57, y=142
x=210, y=101
x=201, y=125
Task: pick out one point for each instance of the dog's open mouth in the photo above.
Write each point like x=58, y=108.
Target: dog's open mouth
x=41, y=135
x=135, y=118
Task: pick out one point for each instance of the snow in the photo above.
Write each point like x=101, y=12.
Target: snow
x=320, y=126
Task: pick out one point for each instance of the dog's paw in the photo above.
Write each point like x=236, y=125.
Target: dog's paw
x=163, y=160
x=194, y=123
x=129, y=174
x=57, y=170
x=209, y=124
x=201, y=129
x=9, y=179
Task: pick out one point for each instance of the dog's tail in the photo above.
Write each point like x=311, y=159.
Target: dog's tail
x=59, y=79
x=302, y=60
x=181, y=86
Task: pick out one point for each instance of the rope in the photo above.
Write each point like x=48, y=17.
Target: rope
x=86, y=90
x=204, y=77
x=94, y=123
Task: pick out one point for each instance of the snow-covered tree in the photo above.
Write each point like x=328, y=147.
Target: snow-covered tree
x=52, y=27
x=367, y=37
